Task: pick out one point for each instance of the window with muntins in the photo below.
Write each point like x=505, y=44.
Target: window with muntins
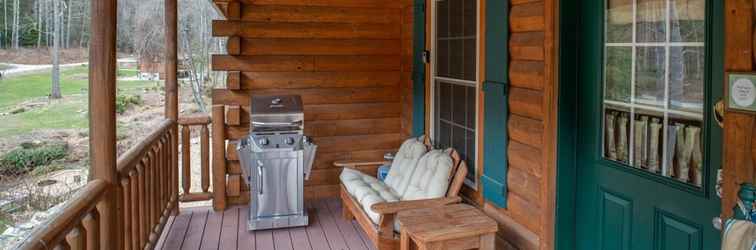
x=455, y=78
x=654, y=71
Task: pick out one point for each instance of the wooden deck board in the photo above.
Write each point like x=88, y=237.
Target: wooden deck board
x=194, y=233
x=202, y=228
x=211, y=237
x=246, y=239
x=315, y=231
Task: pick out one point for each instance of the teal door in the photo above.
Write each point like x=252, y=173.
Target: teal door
x=648, y=148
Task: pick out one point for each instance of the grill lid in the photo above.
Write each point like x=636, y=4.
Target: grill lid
x=286, y=104
x=276, y=113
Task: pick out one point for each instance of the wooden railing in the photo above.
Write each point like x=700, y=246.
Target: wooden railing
x=186, y=124
x=77, y=227
x=147, y=194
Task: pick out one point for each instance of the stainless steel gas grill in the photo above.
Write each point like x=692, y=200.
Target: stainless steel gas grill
x=276, y=158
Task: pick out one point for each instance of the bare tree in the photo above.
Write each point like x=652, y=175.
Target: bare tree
x=69, y=7
x=5, y=23
x=16, y=28
x=57, y=16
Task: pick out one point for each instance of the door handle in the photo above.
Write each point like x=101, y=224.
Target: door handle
x=260, y=178
x=719, y=113
x=716, y=222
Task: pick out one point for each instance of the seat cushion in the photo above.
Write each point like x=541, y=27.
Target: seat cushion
x=367, y=191
x=430, y=179
x=404, y=164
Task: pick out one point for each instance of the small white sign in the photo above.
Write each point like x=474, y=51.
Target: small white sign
x=742, y=92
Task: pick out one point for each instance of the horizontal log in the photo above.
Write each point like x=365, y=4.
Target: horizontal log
x=190, y=120
x=527, y=46
x=307, y=46
x=527, y=103
x=357, y=142
x=223, y=28
x=527, y=74
x=525, y=157
x=305, y=63
x=527, y=17
x=298, y=80
x=511, y=231
x=332, y=128
x=192, y=197
x=314, y=96
x=319, y=14
x=525, y=130
x=524, y=184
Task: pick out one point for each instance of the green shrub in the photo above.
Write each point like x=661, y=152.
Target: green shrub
x=123, y=102
x=23, y=160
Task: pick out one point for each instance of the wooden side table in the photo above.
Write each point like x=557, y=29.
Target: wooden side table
x=458, y=226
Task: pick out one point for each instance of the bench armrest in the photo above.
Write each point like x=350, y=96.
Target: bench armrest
x=355, y=164
x=385, y=208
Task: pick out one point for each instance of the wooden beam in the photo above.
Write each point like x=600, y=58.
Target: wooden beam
x=171, y=87
x=171, y=60
x=219, y=158
x=102, y=120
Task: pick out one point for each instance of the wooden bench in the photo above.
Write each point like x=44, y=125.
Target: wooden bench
x=382, y=235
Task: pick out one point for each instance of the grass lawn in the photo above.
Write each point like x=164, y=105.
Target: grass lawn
x=67, y=113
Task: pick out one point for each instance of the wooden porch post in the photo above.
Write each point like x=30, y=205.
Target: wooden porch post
x=102, y=115
x=171, y=86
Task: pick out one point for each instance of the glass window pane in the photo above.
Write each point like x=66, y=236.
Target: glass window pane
x=470, y=154
x=470, y=62
x=686, y=78
x=618, y=70
x=649, y=76
x=442, y=60
x=619, y=26
x=471, y=11
x=456, y=17
x=651, y=23
x=458, y=106
x=444, y=100
x=687, y=20
x=457, y=59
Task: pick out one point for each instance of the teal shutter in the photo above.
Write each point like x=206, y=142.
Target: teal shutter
x=418, y=74
x=496, y=109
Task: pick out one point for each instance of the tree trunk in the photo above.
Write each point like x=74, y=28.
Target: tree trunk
x=55, y=93
x=39, y=23
x=16, y=11
x=5, y=23
x=68, y=23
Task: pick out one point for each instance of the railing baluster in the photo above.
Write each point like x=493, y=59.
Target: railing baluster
x=75, y=239
x=205, y=160
x=142, y=205
x=92, y=228
x=126, y=212
x=186, y=175
x=134, y=209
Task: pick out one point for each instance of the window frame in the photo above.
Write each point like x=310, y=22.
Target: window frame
x=477, y=84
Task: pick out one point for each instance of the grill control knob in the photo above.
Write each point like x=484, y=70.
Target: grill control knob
x=289, y=141
x=263, y=141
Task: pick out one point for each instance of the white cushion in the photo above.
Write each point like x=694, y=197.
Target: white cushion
x=431, y=177
x=367, y=190
x=404, y=164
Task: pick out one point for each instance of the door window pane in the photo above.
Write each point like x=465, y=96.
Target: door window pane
x=649, y=75
x=650, y=20
x=654, y=87
x=619, y=21
x=687, y=20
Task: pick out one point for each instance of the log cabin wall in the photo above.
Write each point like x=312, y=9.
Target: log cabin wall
x=528, y=221
x=349, y=60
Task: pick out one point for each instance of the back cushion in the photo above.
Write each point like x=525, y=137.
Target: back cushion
x=431, y=177
x=404, y=164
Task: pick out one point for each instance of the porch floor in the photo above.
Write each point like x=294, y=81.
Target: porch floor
x=203, y=228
